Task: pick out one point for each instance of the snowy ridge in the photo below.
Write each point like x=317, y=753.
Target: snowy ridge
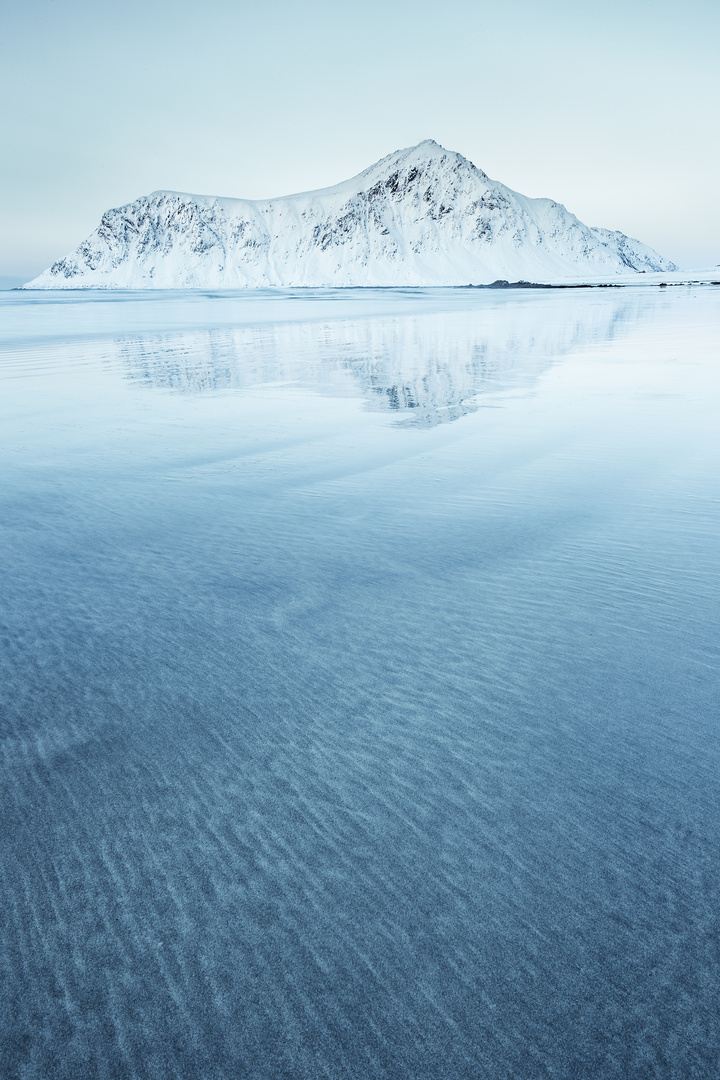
x=422, y=216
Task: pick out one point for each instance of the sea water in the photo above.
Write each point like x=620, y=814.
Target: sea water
x=360, y=685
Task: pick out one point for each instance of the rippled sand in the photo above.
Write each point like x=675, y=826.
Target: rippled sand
x=359, y=685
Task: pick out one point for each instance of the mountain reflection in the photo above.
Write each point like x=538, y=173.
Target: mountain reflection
x=426, y=368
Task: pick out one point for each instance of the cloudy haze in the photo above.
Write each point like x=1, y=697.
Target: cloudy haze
x=611, y=108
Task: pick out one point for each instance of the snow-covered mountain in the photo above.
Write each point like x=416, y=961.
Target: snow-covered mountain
x=422, y=216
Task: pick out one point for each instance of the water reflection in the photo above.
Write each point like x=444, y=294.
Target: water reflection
x=426, y=368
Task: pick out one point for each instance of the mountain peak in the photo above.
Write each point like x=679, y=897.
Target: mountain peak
x=428, y=157
x=430, y=145
x=428, y=149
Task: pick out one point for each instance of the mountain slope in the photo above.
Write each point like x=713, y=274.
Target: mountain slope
x=422, y=216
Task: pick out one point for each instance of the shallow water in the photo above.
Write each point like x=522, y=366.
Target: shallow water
x=359, y=685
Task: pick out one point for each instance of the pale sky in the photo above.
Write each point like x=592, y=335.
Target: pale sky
x=610, y=107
